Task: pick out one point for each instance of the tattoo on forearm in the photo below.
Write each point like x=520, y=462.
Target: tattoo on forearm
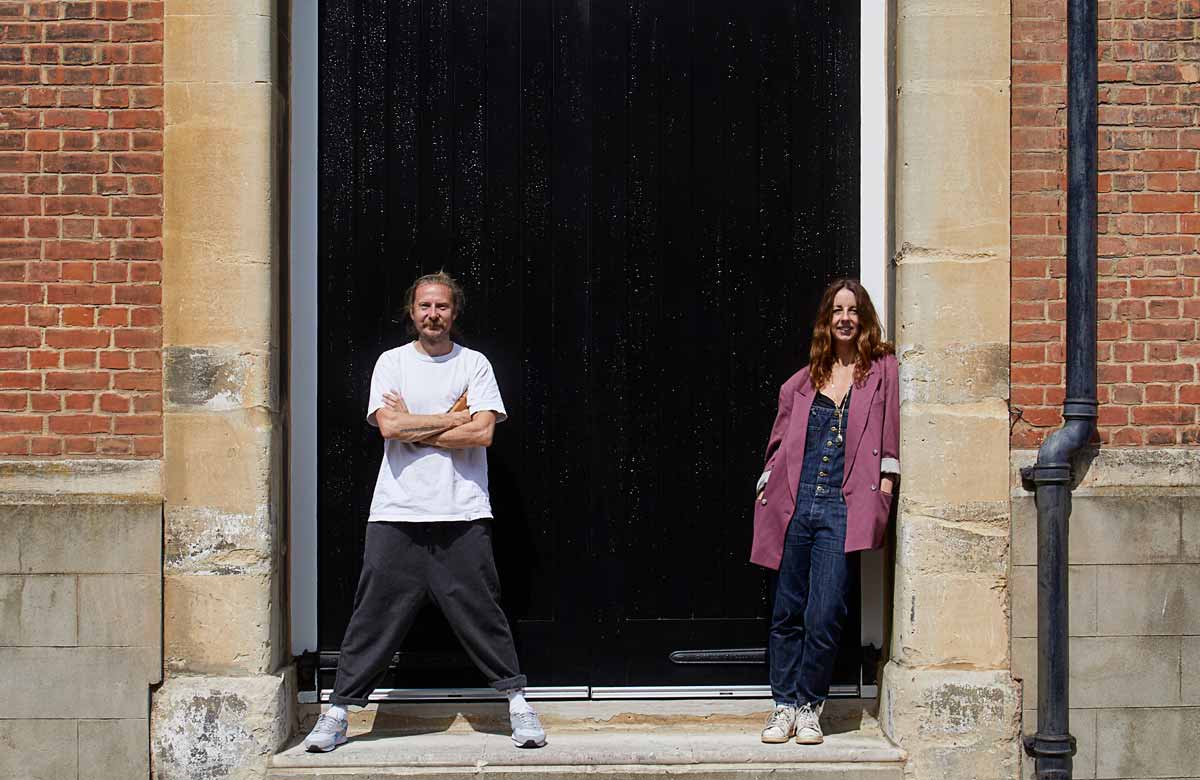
x=421, y=429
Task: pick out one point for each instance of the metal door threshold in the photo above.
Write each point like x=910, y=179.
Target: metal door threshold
x=701, y=691
x=466, y=694
x=584, y=692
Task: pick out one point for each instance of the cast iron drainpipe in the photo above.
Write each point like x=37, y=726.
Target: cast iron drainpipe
x=1052, y=746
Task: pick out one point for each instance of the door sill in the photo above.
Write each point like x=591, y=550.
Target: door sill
x=584, y=692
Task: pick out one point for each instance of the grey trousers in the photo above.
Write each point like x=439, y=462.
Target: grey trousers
x=404, y=564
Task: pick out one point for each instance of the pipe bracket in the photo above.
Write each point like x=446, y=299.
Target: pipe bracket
x=1050, y=745
x=1045, y=474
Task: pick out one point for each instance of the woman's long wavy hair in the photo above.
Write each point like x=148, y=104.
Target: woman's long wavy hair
x=870, y=336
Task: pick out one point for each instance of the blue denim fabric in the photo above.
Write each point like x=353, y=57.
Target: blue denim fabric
x=810, y=592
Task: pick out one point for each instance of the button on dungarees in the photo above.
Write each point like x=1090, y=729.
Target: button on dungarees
x=810, y=593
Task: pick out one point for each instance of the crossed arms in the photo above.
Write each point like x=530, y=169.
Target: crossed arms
x=455, y=430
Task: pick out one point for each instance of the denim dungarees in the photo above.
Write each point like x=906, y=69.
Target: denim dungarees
x=810, y=592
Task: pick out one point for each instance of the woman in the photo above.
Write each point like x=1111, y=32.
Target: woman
x=825, y=492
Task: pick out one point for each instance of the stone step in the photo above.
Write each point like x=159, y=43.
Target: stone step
x=699, y=740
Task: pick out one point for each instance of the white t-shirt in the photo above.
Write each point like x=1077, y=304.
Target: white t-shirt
x=422, y=484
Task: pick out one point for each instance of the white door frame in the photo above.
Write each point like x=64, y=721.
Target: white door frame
x=875, y=251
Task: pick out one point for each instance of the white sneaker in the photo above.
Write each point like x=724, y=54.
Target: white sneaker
x=808, y=724
x=781, y=725
x=326, y=735
x=527, y=731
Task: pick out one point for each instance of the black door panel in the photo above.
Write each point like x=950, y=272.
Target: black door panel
x=644, y=200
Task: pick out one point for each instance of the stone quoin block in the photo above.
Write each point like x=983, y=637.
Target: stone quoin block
x=945, y=452
x=947, y=302
x=950, y=620
x=220, y=727
x=218, y=624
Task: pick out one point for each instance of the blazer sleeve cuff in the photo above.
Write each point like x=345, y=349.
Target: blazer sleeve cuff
x=762, y=482
x=889, y=466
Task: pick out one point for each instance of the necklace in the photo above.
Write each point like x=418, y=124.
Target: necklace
x=838, y=412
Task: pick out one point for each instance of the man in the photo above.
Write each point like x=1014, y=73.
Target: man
x=429, y=534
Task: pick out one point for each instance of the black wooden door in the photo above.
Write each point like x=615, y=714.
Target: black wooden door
x=644, y=200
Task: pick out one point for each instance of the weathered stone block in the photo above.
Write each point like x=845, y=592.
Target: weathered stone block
x=216, y=624
x=938, y=546
x=953, y=373
x=221, y=7
x=123, y=610
x=218, y=461
x=1107, y=529
x=955, y=454
x=1151, y=742
x=953, y=723
x=1130, y=469
x=952, y=170
x=1083, y=728
x=50, y=481
x=217, y=380
x=1125, y=529
x=947, y=46
x=217, y=48
x=86, y=538
x=1150, y=600
x=1111, y=671
x=220, y=127
x=37, y=610
x=37, y=749
x=933, y=290
x=220, y=727
x=1190, y=684
x=205, y=540
x=1191, y=531
x=77, y=682
x=950, y=620
x=114, y=749
x=1082, y=601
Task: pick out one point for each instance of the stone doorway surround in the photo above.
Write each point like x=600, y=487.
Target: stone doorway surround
x=228, y=696
x=948, y=696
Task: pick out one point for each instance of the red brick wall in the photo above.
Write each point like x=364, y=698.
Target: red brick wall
x=1149, y=302
x=80, y=228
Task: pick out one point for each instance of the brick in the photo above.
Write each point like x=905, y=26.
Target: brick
x=62, y=32
x=137, y=338
x=1162, y=373
x=77, y=380
x=75, y=118
x=69, y=338
x=140, y=119
x=20, y=337
x=94, y=206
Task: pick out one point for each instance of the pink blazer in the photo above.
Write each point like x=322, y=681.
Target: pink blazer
x=873, y=434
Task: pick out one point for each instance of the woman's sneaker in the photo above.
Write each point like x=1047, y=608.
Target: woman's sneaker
x=808, y=724
x=781, y=725
x=326, y=735
x=527, y=731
